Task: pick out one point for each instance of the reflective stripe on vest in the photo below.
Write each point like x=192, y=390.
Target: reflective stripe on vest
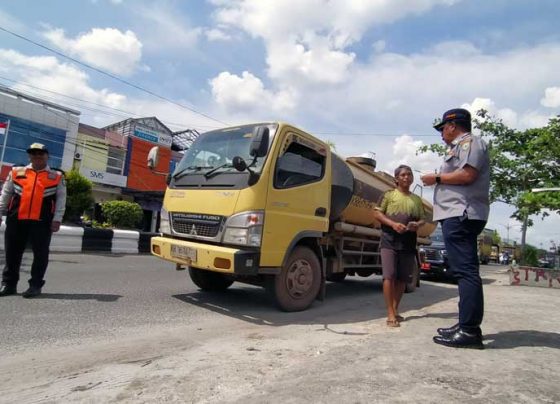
x=35, y=186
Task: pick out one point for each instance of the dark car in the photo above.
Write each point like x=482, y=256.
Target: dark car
x=434, y=257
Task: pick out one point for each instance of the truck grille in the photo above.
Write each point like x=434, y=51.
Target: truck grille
x=194, y=224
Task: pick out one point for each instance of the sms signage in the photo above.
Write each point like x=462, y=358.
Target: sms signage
x=102, y=177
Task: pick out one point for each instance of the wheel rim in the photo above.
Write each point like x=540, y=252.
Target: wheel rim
x=299, y=279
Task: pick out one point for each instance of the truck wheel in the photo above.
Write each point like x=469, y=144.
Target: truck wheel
x=411, y=286
x=209, y=281
x=338, y=277
x=299, y=281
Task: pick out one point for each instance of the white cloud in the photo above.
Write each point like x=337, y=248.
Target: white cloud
x=10, y=22
x=247, y=92
x=308, y=39
x=217, y=35
x=166, y=28
x=48, y=73
x=405, y=151
x=551, y=97
x=379, y=46
x=107, y=48
x=524, y=120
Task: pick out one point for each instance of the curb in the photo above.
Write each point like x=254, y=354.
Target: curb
x=85, y=239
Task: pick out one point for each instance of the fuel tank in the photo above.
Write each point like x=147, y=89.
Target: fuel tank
x=357, y=188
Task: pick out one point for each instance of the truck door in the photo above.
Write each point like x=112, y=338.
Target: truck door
x=298, y=198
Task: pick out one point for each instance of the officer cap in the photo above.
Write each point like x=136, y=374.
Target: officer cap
x=454, y=115
x=37, y=146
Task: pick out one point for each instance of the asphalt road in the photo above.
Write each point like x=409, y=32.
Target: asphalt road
x=99, y=296
x=132, y=329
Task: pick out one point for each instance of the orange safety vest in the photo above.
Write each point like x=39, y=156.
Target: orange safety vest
x=34, y=193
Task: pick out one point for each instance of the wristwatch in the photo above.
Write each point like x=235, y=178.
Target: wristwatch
x=438, y=179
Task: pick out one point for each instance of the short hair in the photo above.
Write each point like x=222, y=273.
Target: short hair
x=400, y=168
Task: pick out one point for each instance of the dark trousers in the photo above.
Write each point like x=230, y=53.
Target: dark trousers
x=460, y=237
x=18, y=233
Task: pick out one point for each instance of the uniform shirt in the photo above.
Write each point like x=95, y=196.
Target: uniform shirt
x=401, y=208
x=472, y=199
x=8, y=192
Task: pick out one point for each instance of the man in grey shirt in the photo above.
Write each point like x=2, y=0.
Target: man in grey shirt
x=461, y=204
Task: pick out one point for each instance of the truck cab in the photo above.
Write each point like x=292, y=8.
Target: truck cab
x=241, y=202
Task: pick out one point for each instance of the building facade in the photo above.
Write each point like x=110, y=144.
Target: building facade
x=32, y=120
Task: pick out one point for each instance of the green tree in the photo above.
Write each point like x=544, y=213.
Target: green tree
x=78, y=196
x=520, y=160
x=496, y=239
x=122, y=214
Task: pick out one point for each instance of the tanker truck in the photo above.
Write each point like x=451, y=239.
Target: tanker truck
x=271, y=205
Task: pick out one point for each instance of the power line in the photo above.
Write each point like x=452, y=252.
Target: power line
x=120, y=114
x=128, y=83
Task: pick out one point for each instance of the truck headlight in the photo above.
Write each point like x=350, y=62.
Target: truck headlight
x=244, y=229
x=164, y=226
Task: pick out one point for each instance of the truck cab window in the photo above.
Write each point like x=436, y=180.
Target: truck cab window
x=297, y=166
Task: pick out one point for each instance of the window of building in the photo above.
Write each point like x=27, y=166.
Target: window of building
x=22, y=133
x=115, y=161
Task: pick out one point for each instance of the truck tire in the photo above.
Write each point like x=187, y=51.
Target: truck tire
x=299, y=281
x=209, y=281
x=338, y=277
x=414, y=282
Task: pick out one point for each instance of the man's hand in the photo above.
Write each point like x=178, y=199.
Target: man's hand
x=55, y=226
x=428, y=179
x=399, y=227
x=412, y=226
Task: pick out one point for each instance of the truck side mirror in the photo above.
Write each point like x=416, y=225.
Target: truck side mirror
x=153, y=158
x=259, y=145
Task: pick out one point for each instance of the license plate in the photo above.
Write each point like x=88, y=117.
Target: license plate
x=426, y=266
x=186, y=253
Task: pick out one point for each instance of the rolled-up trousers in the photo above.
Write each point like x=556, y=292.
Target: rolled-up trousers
x=18, y=234
x=460, y=237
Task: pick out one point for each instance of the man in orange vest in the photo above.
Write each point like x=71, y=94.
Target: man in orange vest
x=33, y=199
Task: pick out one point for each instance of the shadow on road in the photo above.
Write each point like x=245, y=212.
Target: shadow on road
x=520, y=338
x=80, y=296
x=351, y=301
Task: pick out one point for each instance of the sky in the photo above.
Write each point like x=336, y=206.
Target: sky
x=371, y=76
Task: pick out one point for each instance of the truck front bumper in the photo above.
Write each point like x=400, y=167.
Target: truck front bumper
x=206, y=256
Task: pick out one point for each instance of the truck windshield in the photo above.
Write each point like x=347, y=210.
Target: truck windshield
x=215, y=151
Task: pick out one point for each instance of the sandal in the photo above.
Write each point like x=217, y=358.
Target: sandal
x=393, y=323
x=400, y=318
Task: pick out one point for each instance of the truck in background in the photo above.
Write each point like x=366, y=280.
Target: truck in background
x=488, y=251
x=269, y=204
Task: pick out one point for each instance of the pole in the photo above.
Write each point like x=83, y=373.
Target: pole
x=4, y=145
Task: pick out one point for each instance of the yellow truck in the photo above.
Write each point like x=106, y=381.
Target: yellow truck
x=269, y=204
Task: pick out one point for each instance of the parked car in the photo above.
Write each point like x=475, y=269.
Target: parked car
x=433, y=258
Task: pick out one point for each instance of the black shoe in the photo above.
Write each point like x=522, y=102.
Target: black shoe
x=448, y=332
x=461, y=339
x=33, y=291
x=6, y=290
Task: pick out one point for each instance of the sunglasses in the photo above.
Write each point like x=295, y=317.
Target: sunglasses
x=37, y=153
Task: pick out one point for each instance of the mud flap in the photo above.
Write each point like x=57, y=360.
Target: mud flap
x=323, y=290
